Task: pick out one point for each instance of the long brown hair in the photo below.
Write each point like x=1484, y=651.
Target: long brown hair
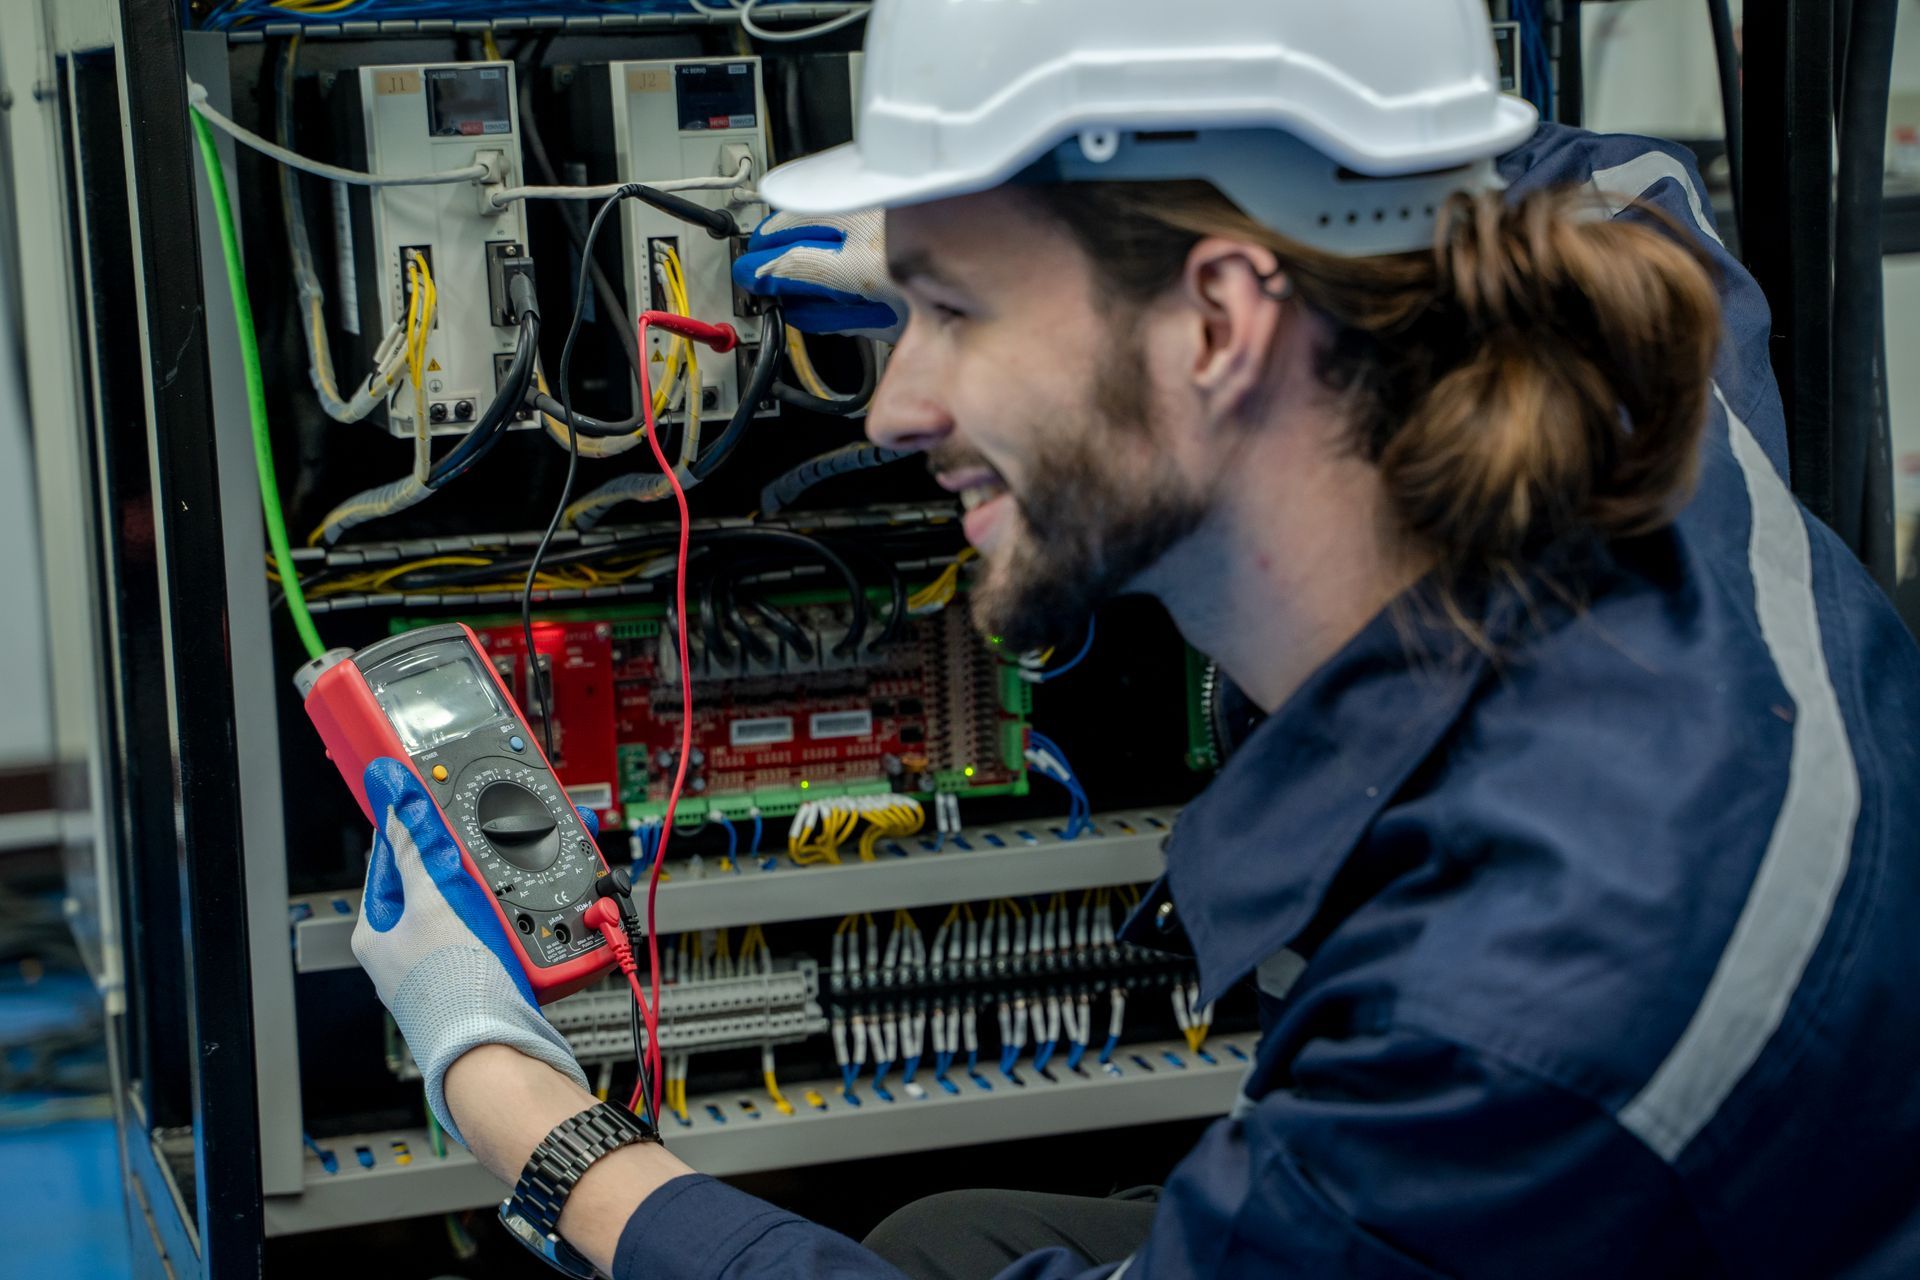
x=1540, y=375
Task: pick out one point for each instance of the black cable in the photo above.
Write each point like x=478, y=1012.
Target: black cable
x=717, y=223
x=586, y=424
x=1727, y=55
x=897, y=594
x=783, y=491
x=506, y=403
x=1863, y=476
x=719, y=648
x=773, y=337
x=838, y=406
x=613, y=308
x=786, y=628
x=757, y=649
x=573, y=459
x=856, y=594
x=897, y=611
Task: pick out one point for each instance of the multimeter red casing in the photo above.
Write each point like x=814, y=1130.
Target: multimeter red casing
x=432, y=699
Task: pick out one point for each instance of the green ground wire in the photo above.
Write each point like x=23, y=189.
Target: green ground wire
x=256, y=393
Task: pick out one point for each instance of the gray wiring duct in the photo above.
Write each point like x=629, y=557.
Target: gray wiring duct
x=860, y=456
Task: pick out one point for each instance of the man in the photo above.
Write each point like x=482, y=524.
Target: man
x=1573, y=864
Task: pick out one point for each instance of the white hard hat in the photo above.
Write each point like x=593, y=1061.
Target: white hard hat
x=1342, y=125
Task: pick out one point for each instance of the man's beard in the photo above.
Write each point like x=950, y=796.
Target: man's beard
x=1101, y=505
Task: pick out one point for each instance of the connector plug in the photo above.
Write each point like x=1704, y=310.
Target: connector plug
x=509, y=282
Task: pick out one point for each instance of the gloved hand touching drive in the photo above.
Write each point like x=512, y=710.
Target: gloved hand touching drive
x=828, y=272
x=436, y=951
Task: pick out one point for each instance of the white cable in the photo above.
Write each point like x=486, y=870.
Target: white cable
x=197, y=99
x=759, y=32
x=743, y=14
x=742, y=174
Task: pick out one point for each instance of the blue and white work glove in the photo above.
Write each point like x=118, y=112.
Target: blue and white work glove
x=437, y=953
x=828, y=272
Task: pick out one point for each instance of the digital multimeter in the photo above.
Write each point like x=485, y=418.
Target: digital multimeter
x=432, y=699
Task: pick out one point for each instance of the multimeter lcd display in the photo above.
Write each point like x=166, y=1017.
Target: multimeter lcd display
x=434, y=703
x=464, y=102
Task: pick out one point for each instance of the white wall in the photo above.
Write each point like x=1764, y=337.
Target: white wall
x=26, y=715
x=1650, y=68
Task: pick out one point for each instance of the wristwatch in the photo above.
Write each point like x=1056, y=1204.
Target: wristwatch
x=532, y=1213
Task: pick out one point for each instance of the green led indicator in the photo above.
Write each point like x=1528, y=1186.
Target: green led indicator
x=968, y=771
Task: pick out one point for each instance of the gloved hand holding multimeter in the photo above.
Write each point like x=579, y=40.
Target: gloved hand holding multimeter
x=482, y=871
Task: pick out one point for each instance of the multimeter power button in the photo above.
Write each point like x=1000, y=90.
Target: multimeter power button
x=519, y=826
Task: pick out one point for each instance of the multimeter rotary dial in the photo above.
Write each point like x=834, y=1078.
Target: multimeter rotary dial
x=523, y=834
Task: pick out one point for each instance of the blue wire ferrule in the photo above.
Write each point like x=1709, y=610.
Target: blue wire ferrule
x=328, y=1161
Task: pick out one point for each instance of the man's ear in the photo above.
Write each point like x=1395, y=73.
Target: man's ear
x=1235, y=290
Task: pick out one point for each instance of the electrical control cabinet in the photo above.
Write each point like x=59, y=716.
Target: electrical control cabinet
x=688, y=118
x=432, y=118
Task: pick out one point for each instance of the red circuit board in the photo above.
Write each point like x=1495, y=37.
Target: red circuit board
x=576, y=661
x=934, y=710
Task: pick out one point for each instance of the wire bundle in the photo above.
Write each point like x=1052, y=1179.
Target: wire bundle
x=1033, y=665
x=820, y=827
x=241, y=14
x=939, y=593
x=1046, y=757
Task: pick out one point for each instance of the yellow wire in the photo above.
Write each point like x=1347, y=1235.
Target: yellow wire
x=490, y=47
x=384, y=577
x=779, y=1099
x=423, y=299
x=803, y=366
x=677, y=289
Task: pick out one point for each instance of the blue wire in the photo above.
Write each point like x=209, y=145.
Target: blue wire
x=1072, y=662
x=759, y=829
x=1080, y=812
x=733, y=842
x=236, y=14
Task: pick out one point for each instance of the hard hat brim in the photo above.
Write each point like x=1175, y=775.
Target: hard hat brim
x=840, y=181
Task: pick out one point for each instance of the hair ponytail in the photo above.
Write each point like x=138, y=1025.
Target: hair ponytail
x=1555, y=385
x=1541, y=375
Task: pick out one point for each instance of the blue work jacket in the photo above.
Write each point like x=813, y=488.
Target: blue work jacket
x=1600, y=957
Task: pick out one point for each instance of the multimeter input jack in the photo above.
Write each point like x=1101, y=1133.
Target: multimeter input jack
x=562, y=934
x=524, y=924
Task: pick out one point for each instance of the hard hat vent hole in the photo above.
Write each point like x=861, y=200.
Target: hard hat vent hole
x=1326, y=219
x=1353, y=216
x=1379, y=215
x=1405, y=214
x=1099, y=145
